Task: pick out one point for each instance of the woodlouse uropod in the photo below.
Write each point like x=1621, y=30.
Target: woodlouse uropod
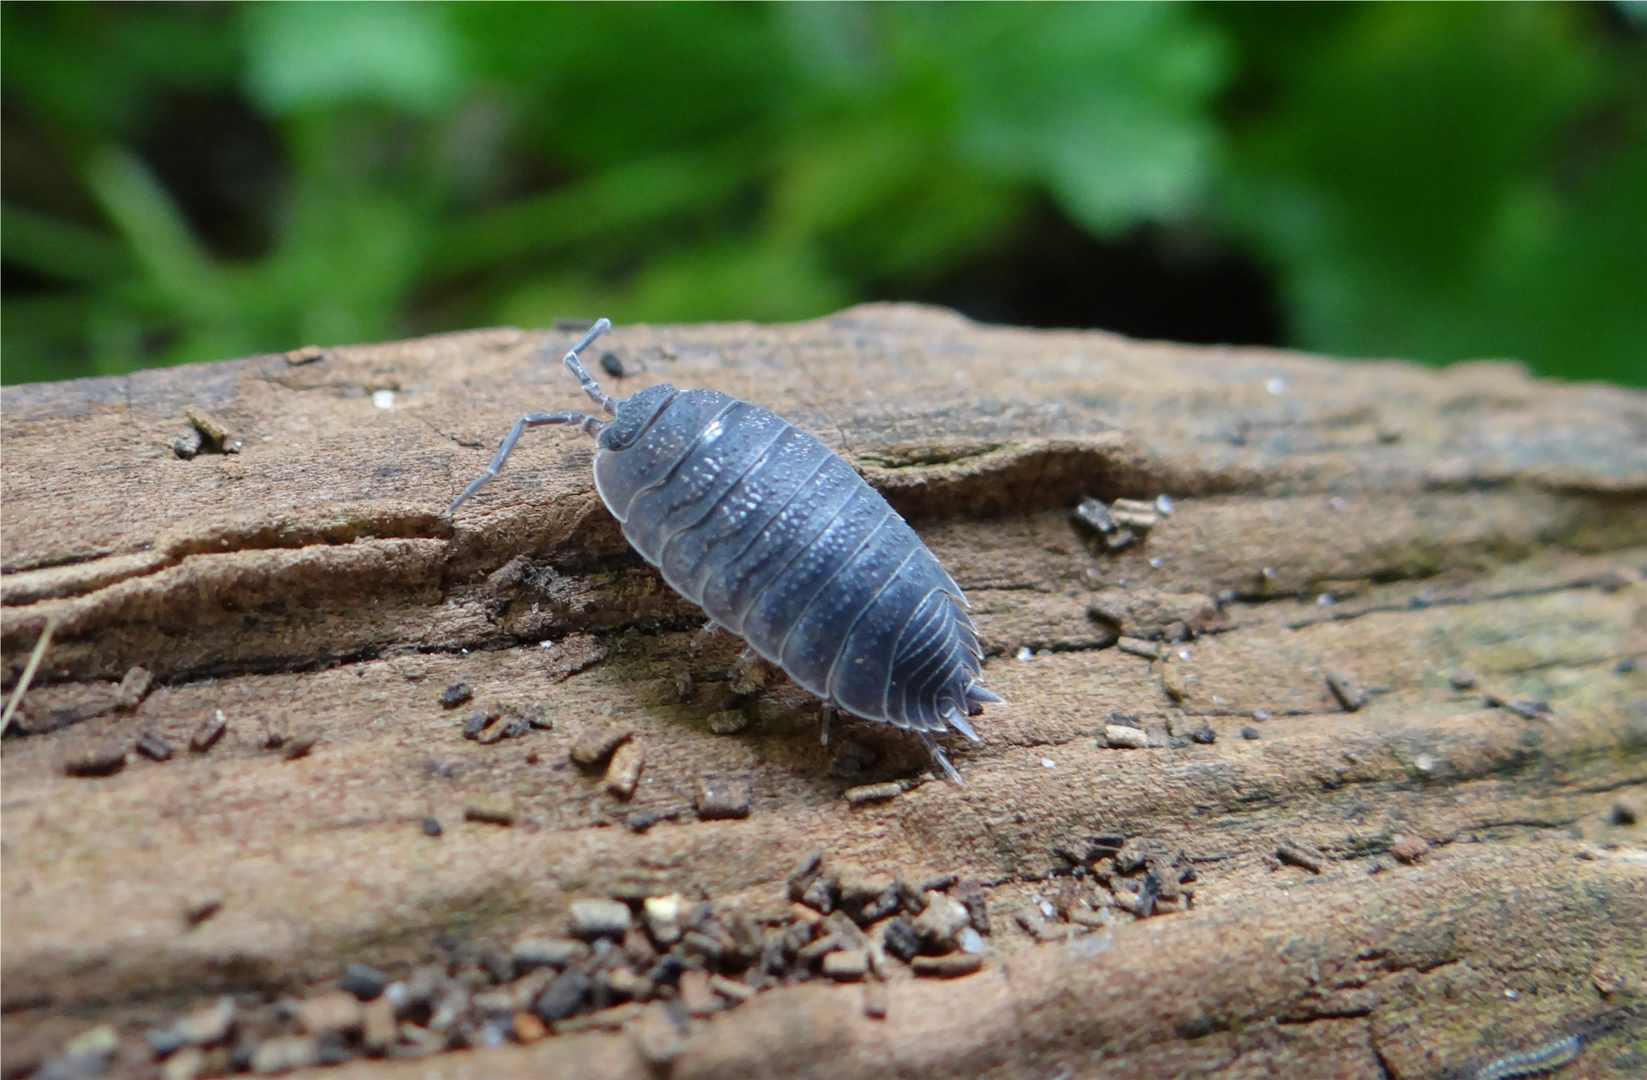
x=781, y=542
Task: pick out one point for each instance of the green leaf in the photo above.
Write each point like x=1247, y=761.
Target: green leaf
x=1423, y=191
x=644, y=193
x=305, y=55
x=1107, y=104
x=61, y=249
x=159, y=238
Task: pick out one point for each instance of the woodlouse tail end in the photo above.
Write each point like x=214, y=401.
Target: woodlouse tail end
x=960, y=723
x=981, y=696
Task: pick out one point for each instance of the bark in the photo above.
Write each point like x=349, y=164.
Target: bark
x=1383, y=524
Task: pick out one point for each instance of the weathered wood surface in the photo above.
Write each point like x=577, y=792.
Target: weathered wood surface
x=1471, y=519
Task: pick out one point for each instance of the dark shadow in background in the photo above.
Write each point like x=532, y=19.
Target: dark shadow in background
x=1179, y=283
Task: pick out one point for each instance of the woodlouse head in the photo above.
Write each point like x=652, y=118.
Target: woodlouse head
x=633, y=415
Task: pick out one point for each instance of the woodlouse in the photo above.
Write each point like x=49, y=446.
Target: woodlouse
x=780, y=541
x=1540, y=1059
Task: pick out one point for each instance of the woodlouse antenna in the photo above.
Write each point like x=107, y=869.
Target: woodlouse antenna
x=590, y=425
x=579, y=372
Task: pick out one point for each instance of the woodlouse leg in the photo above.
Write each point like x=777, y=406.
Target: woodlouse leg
x=591, y=425
x=706, y=633
x=826, y=713
x=748, y=673
x=575, y=366
x=940, y=758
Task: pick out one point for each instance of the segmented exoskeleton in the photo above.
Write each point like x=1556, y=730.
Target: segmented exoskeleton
x=780, y=541
x=1540, y=1059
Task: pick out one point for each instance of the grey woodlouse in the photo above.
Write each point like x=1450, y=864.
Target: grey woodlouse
x=1540, y=1059
x=781, y=542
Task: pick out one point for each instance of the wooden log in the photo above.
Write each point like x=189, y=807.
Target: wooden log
x=1392, y=609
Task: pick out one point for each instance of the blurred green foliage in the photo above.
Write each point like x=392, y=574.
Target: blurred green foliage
x=1429, y=181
